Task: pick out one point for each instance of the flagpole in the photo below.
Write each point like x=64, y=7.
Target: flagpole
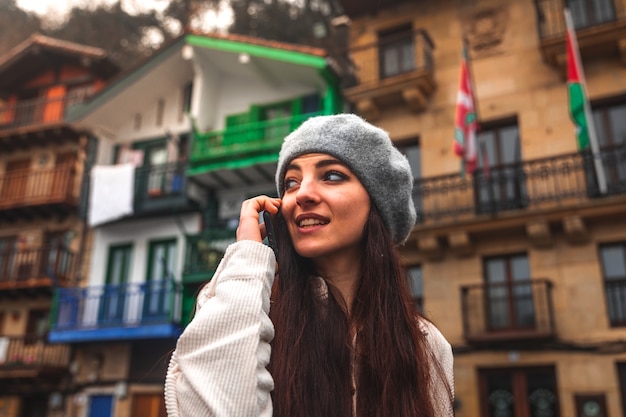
x=593, y=139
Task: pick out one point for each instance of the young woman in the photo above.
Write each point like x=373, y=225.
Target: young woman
x=330, y=329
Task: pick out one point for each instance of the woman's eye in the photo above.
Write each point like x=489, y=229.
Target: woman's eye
x=334, y=176
x=289, y=183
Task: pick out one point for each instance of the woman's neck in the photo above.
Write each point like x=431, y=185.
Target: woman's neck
x=343, y=273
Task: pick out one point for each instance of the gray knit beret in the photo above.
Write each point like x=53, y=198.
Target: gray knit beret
x=368, y=151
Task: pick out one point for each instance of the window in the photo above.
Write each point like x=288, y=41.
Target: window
x=37, y=326
x=397, y=51
x=508, y=293
x=161, y=269
x=499, y=177
x=525, y=392
x=411, y=149
x=587, y=13
x=610, y=123
x=613, y=258
x=8, y=247
x=118, y=266
x=114, y=294
x=416, y=286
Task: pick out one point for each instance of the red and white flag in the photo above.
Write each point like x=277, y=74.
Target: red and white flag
x=466, y=123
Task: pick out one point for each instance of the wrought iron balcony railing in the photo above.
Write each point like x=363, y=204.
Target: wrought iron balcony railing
x=40, y=187
x=32, y=352
x=35, y=112
x=43, y=266
x=121, y=305
x=244, y=144
x=541, y=184
x=504, y=312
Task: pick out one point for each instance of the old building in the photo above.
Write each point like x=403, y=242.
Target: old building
x=42, y=231
x=522, y=263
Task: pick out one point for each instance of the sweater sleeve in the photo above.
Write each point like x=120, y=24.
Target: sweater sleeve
x=219, y=365
x=442, y=352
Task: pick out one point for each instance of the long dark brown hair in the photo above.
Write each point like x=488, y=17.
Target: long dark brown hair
x=316, y=340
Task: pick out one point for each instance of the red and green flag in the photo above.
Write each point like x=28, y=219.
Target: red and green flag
x=465, y=123
x=576, y=90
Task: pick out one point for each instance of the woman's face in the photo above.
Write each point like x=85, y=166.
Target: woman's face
x=325, y=207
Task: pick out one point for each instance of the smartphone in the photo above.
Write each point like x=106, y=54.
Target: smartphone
x=268, y=219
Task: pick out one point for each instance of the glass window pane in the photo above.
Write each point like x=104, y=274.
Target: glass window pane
x=495, y=270
x=617, y=118
x=520, y=268
x=509, y=145
x=613, y=262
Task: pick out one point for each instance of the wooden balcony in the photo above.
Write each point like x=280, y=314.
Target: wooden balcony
x=513, y=312
x=36, y=122
x=29, y=362
x=37, y=192
x=38, y=268
x=600, y=29
x=145, y=310
x=397, y=70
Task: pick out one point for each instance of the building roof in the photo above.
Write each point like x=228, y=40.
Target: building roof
x=34, y=53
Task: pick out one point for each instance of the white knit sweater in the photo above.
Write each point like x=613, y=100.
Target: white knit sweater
x=219, y=366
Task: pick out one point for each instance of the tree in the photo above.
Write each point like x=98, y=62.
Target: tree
x=126, y=38
x=15, y=25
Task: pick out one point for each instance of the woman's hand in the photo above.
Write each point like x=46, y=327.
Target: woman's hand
x=249, y=227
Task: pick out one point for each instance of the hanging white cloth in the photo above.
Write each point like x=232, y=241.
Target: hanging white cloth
x=111, y=194
x=4, y=349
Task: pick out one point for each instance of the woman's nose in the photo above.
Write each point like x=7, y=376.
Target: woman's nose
x=308, y=192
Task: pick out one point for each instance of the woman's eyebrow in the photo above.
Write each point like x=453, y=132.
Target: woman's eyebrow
x=320, y=164
x=327, y=162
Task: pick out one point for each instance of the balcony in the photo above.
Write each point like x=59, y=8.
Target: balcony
x=133, y=311
x=397, y=70
x=500, y=313
x=165, y=188
x=600, y=29
x=42, y=192
x=525, y=188
x=27, y=118
x=24, y=360
x=202, y=256
x=44, y=268
x=235, y=156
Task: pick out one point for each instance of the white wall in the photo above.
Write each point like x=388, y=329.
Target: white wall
x=139, y=233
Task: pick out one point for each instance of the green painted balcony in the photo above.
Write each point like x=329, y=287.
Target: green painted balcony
x=240, y=148
x=203, y=254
